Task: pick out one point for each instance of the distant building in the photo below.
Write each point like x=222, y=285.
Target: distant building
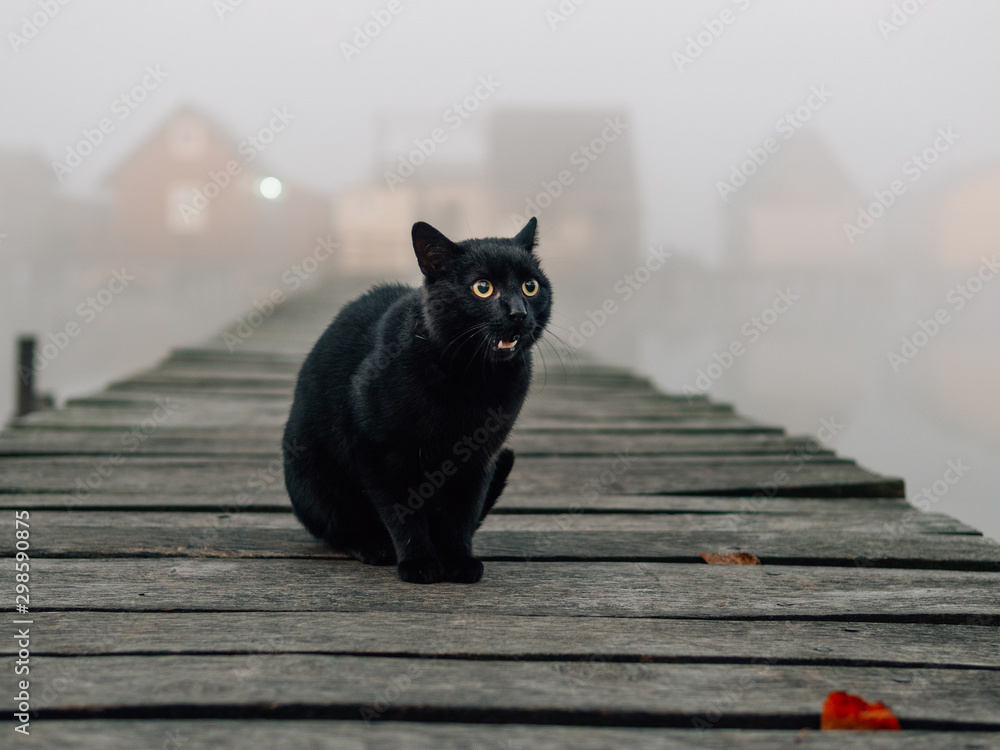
x=373, y=228
x=485, y=176
x=192, y=190
x=791, y=212
x=575, y=170
x=571, y=169
x=37, y=224
x=967, y=219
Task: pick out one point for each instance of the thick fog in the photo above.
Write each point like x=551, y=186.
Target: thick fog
x=793, y=207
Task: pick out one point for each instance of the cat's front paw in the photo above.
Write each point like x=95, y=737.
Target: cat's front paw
x=422, y=570
x=463, y=570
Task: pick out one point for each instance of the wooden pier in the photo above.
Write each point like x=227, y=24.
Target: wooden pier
x=177, y=603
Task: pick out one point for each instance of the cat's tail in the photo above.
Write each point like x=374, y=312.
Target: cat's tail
x=501, y=470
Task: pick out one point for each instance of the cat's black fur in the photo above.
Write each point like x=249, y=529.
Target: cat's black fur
x=393, y=448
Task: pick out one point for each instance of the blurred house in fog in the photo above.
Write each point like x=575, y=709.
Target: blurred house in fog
x=39, y=227
x=485, y=176
x=191, y=190
x=417, y=178
x=785, y=238
x=791, y=212
x=966, y=218
x=575, y=170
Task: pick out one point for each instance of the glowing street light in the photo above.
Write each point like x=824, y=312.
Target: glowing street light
x=270, y=188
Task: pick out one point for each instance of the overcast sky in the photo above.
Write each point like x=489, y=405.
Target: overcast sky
x=889, y=95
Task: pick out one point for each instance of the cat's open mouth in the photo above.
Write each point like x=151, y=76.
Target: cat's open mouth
x=507, y=344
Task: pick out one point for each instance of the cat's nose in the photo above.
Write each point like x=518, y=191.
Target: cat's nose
x=517, y=311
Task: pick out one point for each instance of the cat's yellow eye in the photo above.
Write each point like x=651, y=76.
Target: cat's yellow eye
x=530, y=288
x=482, y=288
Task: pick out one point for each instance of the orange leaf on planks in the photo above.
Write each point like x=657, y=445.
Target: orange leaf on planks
x=729, y=558
x=845, y=711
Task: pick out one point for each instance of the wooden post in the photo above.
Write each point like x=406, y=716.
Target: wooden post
x=26, y=400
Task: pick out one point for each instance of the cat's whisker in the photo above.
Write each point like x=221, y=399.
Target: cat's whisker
x=569, y=349
x=562, y=364
x=460, y=339
x=465, y=333
x=482, y=345
x=561, y=328
x=545, y=369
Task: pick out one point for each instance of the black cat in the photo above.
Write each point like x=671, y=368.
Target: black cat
x=393, y=448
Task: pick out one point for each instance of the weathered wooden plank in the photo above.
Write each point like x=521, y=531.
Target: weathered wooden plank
x=580, y=379
x=143, y=390
x=665, y=694
x=136, y=394
x=97, y=734
x=536, y=410
x=235, y=373
x=884, y=539
x=516, y=588
x=514, y=502
x=101, y=413
x=544, y=386
x=805, y=476
x=949, y=553
x=510, y=502
x=798, y=476
x=167, y=440
x=512, y=637
x=601, y=406
x=239, y=357
x=877, y=522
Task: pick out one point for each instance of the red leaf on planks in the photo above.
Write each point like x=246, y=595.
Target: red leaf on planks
x=844, y=711
x=729, y=558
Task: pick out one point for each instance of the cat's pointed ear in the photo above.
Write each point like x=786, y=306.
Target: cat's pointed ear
x=526, y=237
x=433, y=249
